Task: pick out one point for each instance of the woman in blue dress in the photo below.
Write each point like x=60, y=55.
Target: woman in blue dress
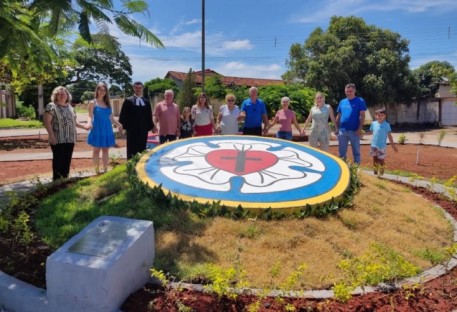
x=101, y=121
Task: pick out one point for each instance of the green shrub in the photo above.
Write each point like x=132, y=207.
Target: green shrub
x=26, y=111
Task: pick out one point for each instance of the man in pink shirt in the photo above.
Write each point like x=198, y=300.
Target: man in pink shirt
x=167, y=118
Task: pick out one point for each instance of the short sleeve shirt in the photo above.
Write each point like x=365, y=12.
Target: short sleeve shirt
x=380, y=132
x=285, y=119
x=254, y=112
x=350, y=113
x=63, y=122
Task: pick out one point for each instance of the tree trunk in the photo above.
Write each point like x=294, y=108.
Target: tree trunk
x=40, y=102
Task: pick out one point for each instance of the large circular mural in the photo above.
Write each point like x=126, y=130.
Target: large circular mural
x=254, y=172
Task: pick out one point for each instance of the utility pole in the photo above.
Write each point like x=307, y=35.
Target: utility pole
x=203, y=45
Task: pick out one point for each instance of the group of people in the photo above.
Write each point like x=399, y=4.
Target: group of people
x=138, y=119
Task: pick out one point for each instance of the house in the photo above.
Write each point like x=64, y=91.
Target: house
x=179, y=77
x=447, y=105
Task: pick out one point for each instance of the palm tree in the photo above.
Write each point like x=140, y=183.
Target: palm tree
x=27, y=27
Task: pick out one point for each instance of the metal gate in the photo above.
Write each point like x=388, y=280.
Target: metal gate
x=449, y=113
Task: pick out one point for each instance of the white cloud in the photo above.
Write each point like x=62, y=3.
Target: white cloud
x=193, y=21
x=237, y=45
x=240, y=69
x=355, y=7
x=149, y=68
x=189, y=40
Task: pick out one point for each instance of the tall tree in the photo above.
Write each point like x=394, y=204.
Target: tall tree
x=28, y=27
x=375, y=59
x=431, y=74
x=158, y=86
x=186, y=96
x=103, y=60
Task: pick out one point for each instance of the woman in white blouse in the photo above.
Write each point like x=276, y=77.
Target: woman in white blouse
x=203, y=117
x=228, y=116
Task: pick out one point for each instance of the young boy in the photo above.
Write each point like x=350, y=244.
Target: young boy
x=381, y=131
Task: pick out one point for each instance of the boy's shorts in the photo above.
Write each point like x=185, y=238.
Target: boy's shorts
x=379, y=153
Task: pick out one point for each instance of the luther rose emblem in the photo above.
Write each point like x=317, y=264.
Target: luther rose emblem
x=254, y=172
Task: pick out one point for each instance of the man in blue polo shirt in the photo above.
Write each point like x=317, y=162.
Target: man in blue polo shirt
x=350, y=119
x=253, y=111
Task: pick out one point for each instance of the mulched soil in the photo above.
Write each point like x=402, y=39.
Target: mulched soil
x=437, y=295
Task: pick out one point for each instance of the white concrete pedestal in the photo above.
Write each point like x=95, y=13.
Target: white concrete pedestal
x=100, y=267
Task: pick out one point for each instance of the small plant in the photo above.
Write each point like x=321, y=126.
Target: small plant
x=222, y=281
x=294, y=278
x=410, y=291
x=22, y=232
x=115, y=159
x=402, y=139
x=451, y=186
x=441, y=136
x=379, y=264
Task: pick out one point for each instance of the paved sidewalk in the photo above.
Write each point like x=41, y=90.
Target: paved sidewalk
x=428, y=138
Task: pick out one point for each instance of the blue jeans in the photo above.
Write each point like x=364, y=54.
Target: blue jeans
x=285, y=135
x=344, y=137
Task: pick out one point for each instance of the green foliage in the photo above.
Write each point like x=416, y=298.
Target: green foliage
x=187, y=95
x=301, y=98
x=431, y=74
x=295, y=278
x=8, y=123
x=158, y=86
x=435, y=256
x=79, y=91
x=375, y=59
x=103, y=60
x=441, y=136
x=222, y=281
x=378, y=264
x=21, y=230
x=87, y=96
x=214, y=87
x=26, y=111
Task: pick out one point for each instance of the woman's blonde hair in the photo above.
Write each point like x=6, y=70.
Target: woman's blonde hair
x=230, y=96
x=317, y=94
x=185, y=109
x=106, y=97
x=57, y=91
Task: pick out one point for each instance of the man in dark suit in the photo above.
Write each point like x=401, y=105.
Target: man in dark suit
x=136, y=119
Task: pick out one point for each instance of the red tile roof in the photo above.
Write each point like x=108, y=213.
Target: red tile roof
x=226, y=80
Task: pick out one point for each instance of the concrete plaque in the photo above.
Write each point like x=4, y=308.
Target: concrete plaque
x=102, y=240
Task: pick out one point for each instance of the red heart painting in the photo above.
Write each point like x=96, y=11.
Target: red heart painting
x=241, y=162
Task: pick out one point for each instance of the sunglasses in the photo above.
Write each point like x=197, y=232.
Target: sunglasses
x=230, y=100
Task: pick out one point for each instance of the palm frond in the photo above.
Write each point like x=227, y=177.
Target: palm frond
x=132, y=28
x=83, y=27
x=94, y=12
x=136, y=6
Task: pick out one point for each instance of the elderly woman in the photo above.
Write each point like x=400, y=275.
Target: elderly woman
x=285, y=117
x=60, y=123
x=228, y=116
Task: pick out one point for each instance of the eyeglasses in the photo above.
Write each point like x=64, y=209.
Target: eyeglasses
x=230, y=100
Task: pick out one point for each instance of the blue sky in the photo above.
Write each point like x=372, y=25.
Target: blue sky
x=252, y=38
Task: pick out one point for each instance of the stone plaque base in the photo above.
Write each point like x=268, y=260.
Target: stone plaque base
x=100, y=267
